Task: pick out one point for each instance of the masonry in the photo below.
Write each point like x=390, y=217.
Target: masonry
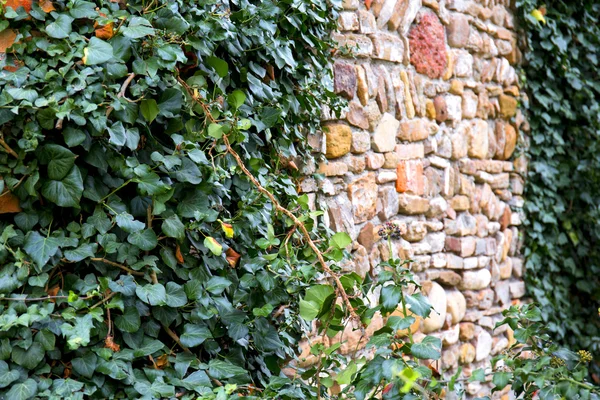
x=428, y=141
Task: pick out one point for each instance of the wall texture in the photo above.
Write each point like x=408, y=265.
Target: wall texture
x=428, y=141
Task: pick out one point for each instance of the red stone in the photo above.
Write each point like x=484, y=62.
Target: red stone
x=427, y=46
x=410, y=178
x=344, y=79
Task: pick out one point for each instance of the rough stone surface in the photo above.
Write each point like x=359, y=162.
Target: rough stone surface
x=344, y=81
x=338, y=140
x=428, y=141
x=427, y=46
x=384, y=138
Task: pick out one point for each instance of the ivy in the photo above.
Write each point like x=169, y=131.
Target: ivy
x=563, y=186
x=144, y=262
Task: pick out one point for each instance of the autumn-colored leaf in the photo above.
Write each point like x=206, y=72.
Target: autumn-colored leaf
x=53, y=291
x=67, y=371
x=14, y=4
x=227, y=229
x=47, y=6
x=178, y=254
x=368, y=4
x=105, y=31
x=9, y=203
x=161, y=361
x=537, y=14
x=7, y=38
x=109, y=343
x=232, y=257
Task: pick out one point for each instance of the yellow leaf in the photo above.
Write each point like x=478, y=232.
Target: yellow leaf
x=228, y=229
x=85, y=54
x=537, y=14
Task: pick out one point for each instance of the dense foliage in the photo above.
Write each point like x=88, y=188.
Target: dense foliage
x=150, y=264
x=563, y=186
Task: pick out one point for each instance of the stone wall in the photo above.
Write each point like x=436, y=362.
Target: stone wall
x=428, y=141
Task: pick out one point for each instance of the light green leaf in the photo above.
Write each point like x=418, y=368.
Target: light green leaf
x=215, y=131
x=419, y=304
x=138, y=28
x=213, y=245
x=309, y=310
x=429, y=348
x=78, y=334
x=236, y=98
x=340, y=240
x=97, y=52
x=125, y=284
x=149, y=109
x=219, y=65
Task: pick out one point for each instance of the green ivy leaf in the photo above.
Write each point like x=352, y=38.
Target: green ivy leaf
x=28, y=358
x=340, y=240
x=213, y=245
x=219, y=369
x=22, y=391
x=130, y=320
x=219, y=65
x=138, y=28
x=236, y=99
x=390, y=297
x=40, y=248
x=85, y=365
x=145, y=240
x=419, y=304
x=60, y=28
x=66, y=192
x=78, y=334
x=194, y=335
x=6, y=375
x=82, y=252
x=217, y=284
x=97, y=52
x=149, y=109
x=175, y=296
x=155, y=294
x=59, y=160
x=429, y=348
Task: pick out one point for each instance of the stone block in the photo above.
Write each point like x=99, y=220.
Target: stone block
x=427, y=46
x=384, y=138
x=458, y=30
x=410, y=178
x=363, y=195
x=387, y=47
x=410, y=204
x=414, y=130
x=476, y=280
x=344, y=79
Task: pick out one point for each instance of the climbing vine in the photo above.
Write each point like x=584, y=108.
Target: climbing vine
x=563, y=186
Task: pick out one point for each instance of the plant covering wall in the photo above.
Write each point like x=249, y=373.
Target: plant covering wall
x=563, y=262
x=151, y=265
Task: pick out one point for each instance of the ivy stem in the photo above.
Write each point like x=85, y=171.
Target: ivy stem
x=127, y=182
x=278, y=207
x=7, y=148
x=121, y=266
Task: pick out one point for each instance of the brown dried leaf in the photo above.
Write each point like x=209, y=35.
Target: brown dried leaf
x=232, y=257
x=47, y=6
x=162, y=361
x=7, y=38
x=9, y=203
x=178, y=254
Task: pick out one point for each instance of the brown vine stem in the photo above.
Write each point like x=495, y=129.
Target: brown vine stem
x=297, y=223
x=122, y=91
x=121, y=266
x=7, y=148
x=278, y=206
x=41, y=298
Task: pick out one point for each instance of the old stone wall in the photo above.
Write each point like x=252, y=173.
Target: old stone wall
x=428, y=141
